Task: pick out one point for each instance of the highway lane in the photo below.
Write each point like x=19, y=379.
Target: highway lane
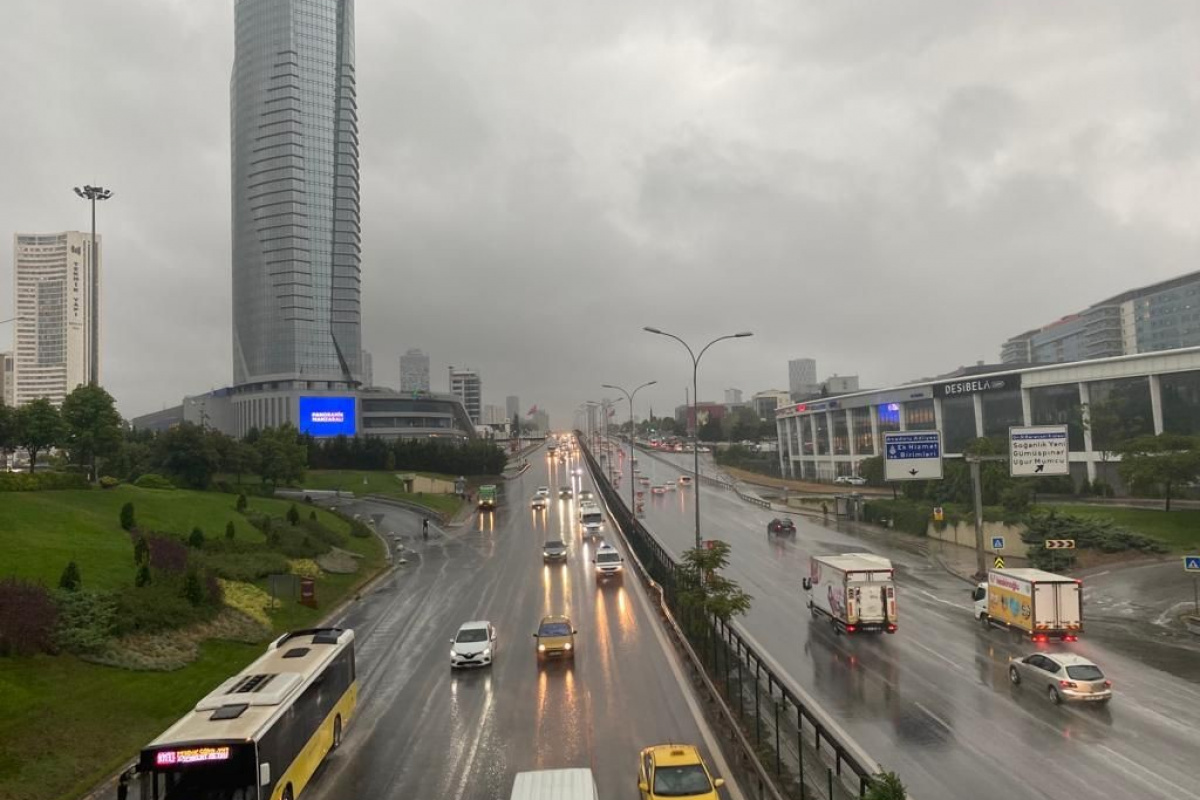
x=933, y=701
x=423, y=731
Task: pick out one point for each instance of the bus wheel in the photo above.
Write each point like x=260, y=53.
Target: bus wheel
x=287, y=792
x=337, y=733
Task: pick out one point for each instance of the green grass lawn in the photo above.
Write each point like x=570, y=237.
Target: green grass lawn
x=1179, y=530
x=64, y=723
x=382, y=483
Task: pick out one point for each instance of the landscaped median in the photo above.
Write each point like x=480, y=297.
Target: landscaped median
x=389, y=484
x=171, y=599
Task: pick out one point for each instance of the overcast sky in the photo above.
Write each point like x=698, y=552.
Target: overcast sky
x=890, y=188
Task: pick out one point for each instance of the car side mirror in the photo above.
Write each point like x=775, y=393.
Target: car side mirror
x=593, y=561
x=643, y=786
x=574, y=632
x=718, y=782
x=806, y=583
x=535, y=636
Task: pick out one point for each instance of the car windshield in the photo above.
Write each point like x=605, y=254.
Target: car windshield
x=472, y=635
x=554, y=545
x=555, y=629
x=609, y=557
x=1085, y=672
x=681, y=781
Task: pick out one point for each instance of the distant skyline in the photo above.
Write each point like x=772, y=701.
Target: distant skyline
x=892, y=191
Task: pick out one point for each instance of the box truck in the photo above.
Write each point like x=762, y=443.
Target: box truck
x=487, y=498
x=1039, y=604
x=591, y=518
x=856, y=591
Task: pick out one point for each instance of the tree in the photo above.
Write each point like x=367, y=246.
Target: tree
x=710, y=431
x=196, y=539
x=702, y=585
x=39, y=427
x=187, y=454
x=71, y=579
x=282, y=455
x=293, y=515
x=239, y=458
x=8, y=431
x=230, y=531
x=1163, y=461
x=128, y=521
x=872, y=470
x=93, y=425
x=886, y=786
x=241, y=503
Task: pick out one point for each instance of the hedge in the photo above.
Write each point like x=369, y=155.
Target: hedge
x=41, y=481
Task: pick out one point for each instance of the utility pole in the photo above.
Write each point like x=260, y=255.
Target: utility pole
x=93, y=194
x=981, y=567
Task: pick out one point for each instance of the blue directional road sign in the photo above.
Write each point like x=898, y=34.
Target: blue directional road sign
x=997, y=542
x=912, y=455
x=1191, y=563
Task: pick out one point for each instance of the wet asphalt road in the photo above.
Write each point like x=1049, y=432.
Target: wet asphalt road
x=933, y=701
x=425, y=732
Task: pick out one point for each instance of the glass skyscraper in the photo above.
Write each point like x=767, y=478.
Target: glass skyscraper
x=296, y=242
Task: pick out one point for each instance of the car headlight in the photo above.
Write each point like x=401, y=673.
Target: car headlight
x=487, y=652
x=453, y=654
x=541, y=648
x=567, y=646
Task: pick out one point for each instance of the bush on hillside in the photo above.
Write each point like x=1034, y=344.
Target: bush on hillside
x=128, y=519
x=109, y=482
x=359, y=529
x=904, y=515
x=41, y=481
x=70, y=580
x=196, y=538
x=1089, y=533
x=158, y=606
x=293, y=514
x=230, y=531
x=241, y=503
x=86, y=621
x=28, y=616
x=152, y=480
x=246, y=567
x=166, y=553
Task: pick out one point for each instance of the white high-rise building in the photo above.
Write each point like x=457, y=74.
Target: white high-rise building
x=733, y=397
x=6, y=378
x=414, y=372
x=466, y=385
x=512, y=406
x=368, y=370
x=52, y=277
x=802, y=377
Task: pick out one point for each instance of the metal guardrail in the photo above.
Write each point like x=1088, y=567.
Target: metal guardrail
x=708, y=480
x=797, y=749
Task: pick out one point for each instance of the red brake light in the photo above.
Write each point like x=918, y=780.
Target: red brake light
x=1067, y=684
x=1108, y=684
x=851, y=628
x=891, y=627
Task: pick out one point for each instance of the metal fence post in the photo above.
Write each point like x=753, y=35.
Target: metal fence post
x=778, y=759
x=800, y=748
x=757, y=705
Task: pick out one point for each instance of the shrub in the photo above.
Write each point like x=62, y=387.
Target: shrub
x=152, y=480
x=27, y=617
x=70, y=580
x=323, y=533
x=86, y=621
x=158, y=606
x=1089, y=533
x=304, y=567
x=196, y=539
x=904, y=515
x=312, y=515
x=41, y=481
x=293, y=515
x=246, y=566
x=143, y=576
x=359, y=529
x=167, y=553
x=108, y=482
x=886, y=786
x=128, y=520
x=230, y=531
x=241, y=502
x=248, y=599
x=141, y=549
x=193, y=587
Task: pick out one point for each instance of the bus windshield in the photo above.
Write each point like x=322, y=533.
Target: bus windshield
x=215, y=771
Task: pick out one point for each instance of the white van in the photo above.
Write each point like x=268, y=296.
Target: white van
x=555, y=784
x=591, y=518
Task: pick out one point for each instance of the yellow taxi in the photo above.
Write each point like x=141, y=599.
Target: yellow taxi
x=675, y=770
x=556, y=638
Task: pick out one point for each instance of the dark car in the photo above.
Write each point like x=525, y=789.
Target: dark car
x=784, y=525
x=554, y=550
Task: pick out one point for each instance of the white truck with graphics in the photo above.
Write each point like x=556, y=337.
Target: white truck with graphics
x=1038, y=604
x=855, y=591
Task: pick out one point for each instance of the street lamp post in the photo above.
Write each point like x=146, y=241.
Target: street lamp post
x=92, y=194
x=629, y=396
x=695, y=415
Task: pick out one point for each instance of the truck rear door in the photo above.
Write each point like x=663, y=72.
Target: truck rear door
x=1056, y=606
x=870, y=601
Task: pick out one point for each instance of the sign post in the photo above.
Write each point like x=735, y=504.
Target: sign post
x=1192, y=564
x=1038, y=450
x=912, y=456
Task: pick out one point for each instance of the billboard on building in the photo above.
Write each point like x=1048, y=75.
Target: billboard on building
x=328, y=416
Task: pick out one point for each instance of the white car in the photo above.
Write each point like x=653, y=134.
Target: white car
x=543, y=491
x=608, y=561
x=856, y=481
x=474, y=645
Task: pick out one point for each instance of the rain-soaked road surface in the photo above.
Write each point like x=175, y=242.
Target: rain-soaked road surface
x=933, y=701
x=424, y=732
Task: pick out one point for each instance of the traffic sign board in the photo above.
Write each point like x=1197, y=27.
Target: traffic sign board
x=1060, y=544
x=912, y=456
x=999, y=562
x=1191, y=563
x=1038, y=450
x=997, y=542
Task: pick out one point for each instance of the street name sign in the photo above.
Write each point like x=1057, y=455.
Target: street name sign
x=912, y=456
x=1038, y=450
x=1191, y=563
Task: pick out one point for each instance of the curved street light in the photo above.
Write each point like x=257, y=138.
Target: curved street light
x=695, y=415
x=629, y=396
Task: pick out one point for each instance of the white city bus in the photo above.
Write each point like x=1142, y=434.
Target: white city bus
x=261, y=734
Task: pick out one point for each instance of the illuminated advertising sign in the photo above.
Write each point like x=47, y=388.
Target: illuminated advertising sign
x=328, y=416
x=190, y=755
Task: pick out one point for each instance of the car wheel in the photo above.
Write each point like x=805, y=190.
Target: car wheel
x=1014, y=676
x=836, y=630
x=287, y=792
x=1055, y=697
x=983, y=621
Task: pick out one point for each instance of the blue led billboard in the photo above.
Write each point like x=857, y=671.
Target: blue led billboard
x=328, y=416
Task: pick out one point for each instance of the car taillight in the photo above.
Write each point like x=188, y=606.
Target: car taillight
x=1068, y=684
x=1070, y=638
x=891, y=628
x=851, y=628
x=1108, y=684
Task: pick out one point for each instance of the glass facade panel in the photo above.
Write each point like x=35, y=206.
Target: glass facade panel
x=919, y=416
x=822, y=434
x=1128, y=399
x=863, y=440
x=806, y=439
x=958, y=423
x=889, y=417
x=1181, y=403
x=1059, y=405
x=841, y=434
x=1000, y=411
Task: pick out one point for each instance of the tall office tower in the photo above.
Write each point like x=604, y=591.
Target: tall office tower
x=414, y=372
x=52, y=278
x=368, y=370
x=6, y=378
x=512, y=406
x=466, y=385
x=733, y=397
x=296, y=243
x=802, y=377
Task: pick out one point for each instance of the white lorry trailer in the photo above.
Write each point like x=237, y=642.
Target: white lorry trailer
x=856, y=591
x=1038, y=604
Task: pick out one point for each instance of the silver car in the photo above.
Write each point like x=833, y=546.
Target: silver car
x=1062, y=677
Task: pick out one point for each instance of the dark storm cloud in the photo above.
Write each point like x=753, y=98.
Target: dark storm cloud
x=893, y=189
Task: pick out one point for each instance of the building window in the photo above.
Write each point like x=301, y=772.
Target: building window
x=1000, y=411
x=1059, y=405
x=1181, y=403
x=958, y=423
x=919, y=415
